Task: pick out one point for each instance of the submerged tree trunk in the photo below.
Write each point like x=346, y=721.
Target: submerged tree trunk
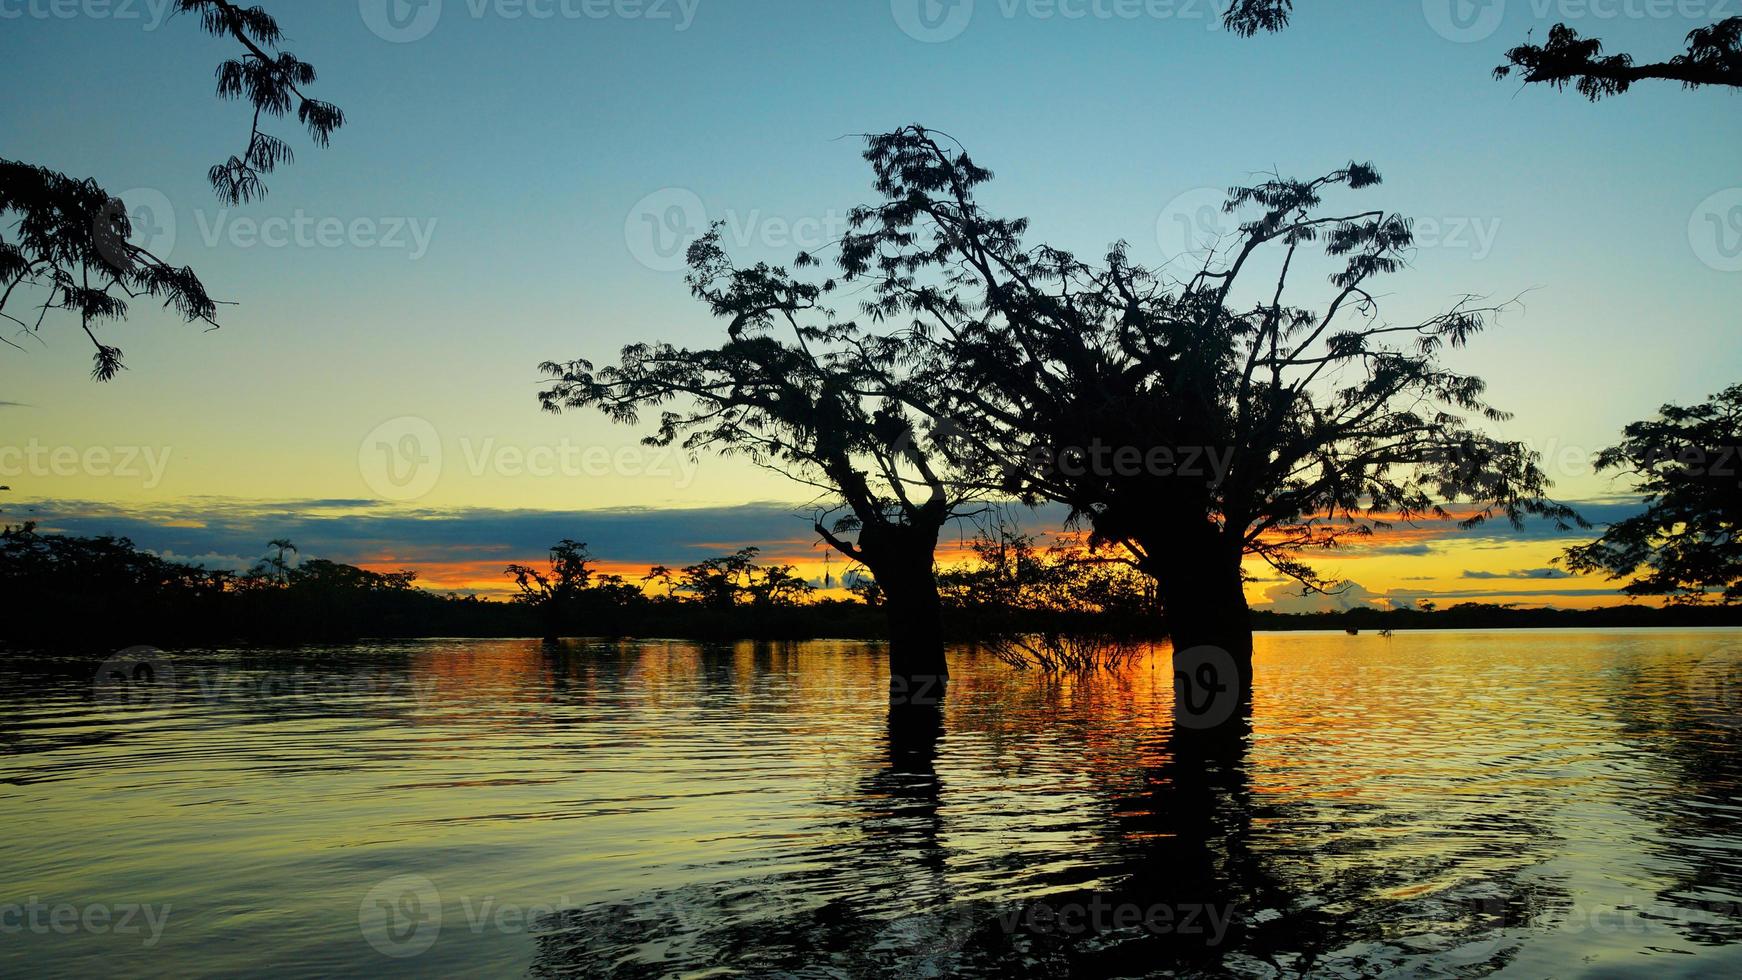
x=1203, y=601
x=901, y=557
x=917, y=666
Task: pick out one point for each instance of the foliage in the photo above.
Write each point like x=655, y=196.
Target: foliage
x=1687, y=545
x=1249, y=17
x=1713, y=55
x=68, y=238
x=1058, y=608
x=83, y=593
x=795, y=387
x=726, y=581
x=67, y=590
x=571, y=572
x=1308, y=425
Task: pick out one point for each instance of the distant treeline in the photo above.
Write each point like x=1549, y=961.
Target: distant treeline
x=94, y=594
x=77, y=593
x=1481, y=615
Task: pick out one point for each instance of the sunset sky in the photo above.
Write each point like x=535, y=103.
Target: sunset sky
x=397, y=290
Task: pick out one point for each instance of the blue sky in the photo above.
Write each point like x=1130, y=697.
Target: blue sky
x=497, y=176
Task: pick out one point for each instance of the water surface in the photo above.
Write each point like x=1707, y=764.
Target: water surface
x=1434, y=804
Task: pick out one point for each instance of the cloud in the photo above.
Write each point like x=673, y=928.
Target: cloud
x=1518, y=573
x=358, y=530
x=1292, y=598
x=461, y=549
x=1423, y=537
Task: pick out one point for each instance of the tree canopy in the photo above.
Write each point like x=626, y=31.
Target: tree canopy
x=794, y=387
x=1175, y=412
x=1687, y=545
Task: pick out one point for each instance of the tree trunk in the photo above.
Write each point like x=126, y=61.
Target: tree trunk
x=1204, y=605
x=918, y=669
x=900, y=557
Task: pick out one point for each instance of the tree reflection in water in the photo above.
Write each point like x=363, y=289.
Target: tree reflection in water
x=1207, y=892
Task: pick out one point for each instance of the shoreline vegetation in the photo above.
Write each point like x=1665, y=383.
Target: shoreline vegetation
x=94, y=595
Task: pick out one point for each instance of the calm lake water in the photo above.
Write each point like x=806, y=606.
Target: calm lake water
x=1435, y=804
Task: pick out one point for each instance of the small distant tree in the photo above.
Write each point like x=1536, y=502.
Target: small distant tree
x=720, y=582
x=1687, y=545
x=660, y=573
x=864, y=588
x=778, y=585
x=278, y=564
x=557, y=591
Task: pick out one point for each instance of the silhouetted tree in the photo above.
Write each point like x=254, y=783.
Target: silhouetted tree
x=728, y=580
x=1189, y=421
x=556, y=593
x=660, y=573
x=1688, y=542
x=813, y=396
x=719, y=582
x=778, y=586
x=69, y=237
x=276, y=564
x=1713, y=55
